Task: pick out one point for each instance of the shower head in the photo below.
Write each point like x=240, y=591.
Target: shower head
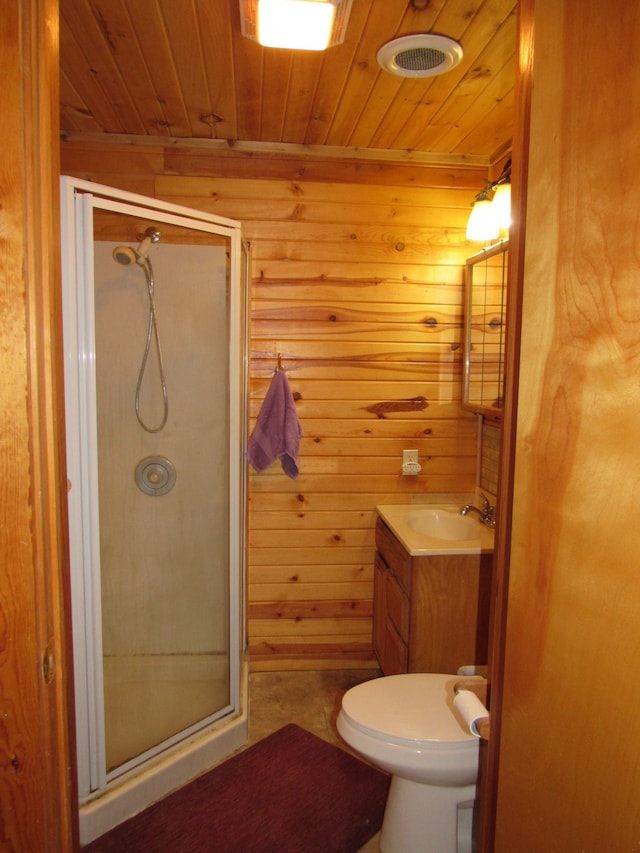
x=124, y=255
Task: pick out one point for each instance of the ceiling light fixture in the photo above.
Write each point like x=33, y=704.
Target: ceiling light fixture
x=419, y=55
x=295, y=24
x=490, y=215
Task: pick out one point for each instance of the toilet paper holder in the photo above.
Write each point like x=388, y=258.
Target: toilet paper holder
x=477, y=686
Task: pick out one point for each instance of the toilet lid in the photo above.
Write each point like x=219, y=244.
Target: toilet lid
x=408, y=708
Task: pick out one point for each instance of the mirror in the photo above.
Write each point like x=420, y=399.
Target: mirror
x=484, y=324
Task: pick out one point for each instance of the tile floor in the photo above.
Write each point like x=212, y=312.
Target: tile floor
x=311, y=699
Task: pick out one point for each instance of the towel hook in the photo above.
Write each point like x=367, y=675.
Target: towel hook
x=279, y=362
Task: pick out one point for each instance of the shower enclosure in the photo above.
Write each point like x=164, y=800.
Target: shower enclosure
x=154, y=383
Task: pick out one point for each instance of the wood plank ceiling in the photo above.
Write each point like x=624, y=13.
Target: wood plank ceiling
x=181, y=69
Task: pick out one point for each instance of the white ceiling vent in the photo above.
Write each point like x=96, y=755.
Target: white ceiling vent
x=420, y=55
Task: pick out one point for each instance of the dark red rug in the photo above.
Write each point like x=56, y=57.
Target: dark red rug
x=289, y=793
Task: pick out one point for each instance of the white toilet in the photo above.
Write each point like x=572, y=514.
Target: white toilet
x=406, y=725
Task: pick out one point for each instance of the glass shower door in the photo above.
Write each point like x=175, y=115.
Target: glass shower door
x=159, y=368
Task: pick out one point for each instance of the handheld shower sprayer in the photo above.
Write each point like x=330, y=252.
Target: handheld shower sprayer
x=125, y=255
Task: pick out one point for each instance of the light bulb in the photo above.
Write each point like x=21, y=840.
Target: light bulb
x=295, y=24
x=482, y=225
x=501, y=206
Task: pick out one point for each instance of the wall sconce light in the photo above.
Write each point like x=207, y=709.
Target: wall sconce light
x=295, y=24
x=489, y=215
x=501, y=203
x=482, y=226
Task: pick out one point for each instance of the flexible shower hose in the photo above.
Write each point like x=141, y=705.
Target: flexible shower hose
x=152, y=333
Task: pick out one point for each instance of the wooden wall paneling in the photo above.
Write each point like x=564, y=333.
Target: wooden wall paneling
x=352, y=597
x=358, y=283
x=133, y=161
x=437, y=289
x=361, y=501
x=328, y=269
x=328, y=192
x=333, y=340
x=360, y=391
x=37, y=795
x=125, y=167
x=312, y=163
x=264, y=218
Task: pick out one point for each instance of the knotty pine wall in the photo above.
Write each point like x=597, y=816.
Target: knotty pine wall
x=357, y=280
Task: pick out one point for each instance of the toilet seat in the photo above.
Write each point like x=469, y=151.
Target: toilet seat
x=408, y=710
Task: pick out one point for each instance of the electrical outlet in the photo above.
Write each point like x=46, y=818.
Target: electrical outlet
x=409, y=457
x=410, y=465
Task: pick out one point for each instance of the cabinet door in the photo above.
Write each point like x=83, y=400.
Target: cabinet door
x=397, y=602
x=395, y=651
x=394, y=553
x=449, y=612
x=390, y=620
x=380, y=572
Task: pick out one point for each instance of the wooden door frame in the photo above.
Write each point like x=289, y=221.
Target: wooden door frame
x=38, y=806
x=490, y=753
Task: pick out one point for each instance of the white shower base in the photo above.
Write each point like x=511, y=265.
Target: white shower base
x=133, y=792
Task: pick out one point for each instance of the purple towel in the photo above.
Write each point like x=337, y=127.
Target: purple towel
x=277, y=431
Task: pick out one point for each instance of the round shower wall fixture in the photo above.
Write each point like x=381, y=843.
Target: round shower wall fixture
x=420, y=55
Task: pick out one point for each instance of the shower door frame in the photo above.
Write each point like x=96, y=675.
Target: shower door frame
x=78, y=200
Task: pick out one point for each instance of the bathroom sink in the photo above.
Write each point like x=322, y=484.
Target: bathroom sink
x=437, y=528
x=441, y=523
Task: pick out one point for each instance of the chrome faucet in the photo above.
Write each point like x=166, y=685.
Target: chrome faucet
x=487, y=513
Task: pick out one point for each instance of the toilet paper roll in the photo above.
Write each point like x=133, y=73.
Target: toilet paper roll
x=470, y=709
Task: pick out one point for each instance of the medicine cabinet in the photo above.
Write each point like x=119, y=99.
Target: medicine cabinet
x=486, y=285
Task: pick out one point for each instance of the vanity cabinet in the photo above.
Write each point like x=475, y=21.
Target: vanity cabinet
x=430, y=613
